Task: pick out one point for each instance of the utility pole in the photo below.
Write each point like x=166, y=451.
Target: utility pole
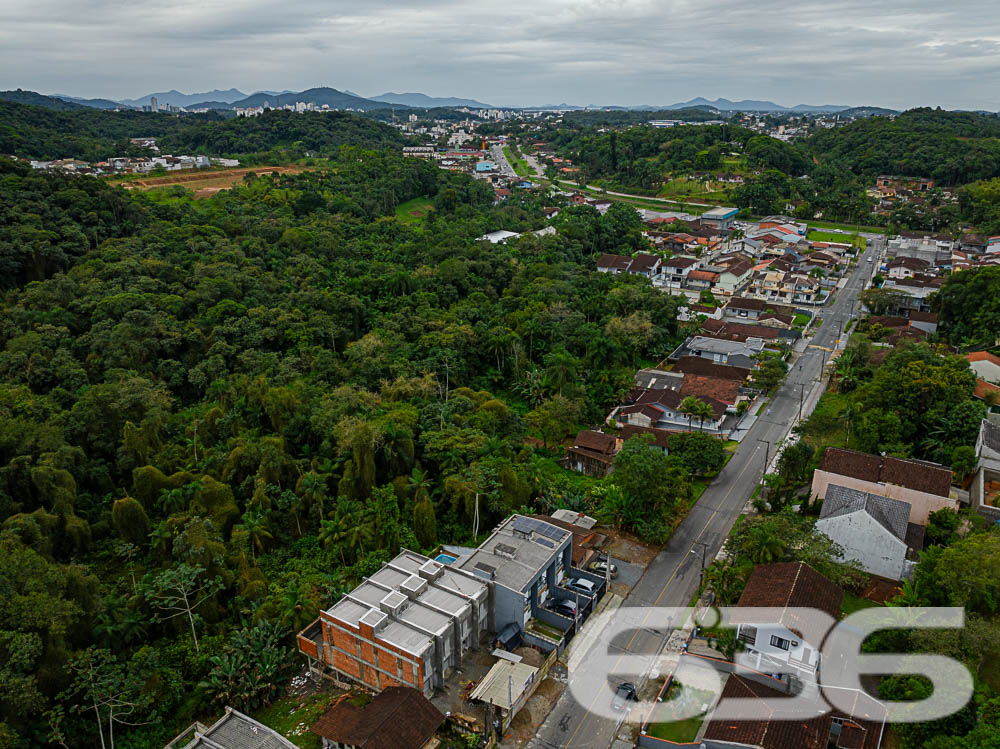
x=704, y=561
x=767, y=460
x=802, y=392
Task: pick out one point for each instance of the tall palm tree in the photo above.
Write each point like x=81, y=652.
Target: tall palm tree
x=419, y=484
x=297, y=608
x=689, y=406
x=312, y=487
x=560, y=370
x=764, y=546
x=333, y=534
x=255, y=524
x=702, y=411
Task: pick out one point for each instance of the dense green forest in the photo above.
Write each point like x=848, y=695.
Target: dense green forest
x=950, y=147
x=827, y=172
x=639, y=157
x=93, y=135
x=35, y=99
x=250, y=400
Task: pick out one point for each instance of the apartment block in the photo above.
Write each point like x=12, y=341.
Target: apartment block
x=525, y=561
x=410, y=624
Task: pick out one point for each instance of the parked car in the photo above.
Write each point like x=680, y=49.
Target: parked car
x=601, y=568
x=582, y=585
x=623, y=695
x=566, y=607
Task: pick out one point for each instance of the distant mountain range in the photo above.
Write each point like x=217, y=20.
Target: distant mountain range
x=319, y=96
x=92, y=103
x=177, y=99
x=337, y=99
x=429, y=102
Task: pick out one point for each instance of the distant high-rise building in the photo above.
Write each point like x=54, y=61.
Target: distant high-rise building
x=154, y=105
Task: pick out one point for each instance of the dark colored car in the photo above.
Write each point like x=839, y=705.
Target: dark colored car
x=623, y=695
x=582, y=585
x=565, y=607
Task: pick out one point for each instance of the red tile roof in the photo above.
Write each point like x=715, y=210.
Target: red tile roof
x=703, y=275
x=711, y=387
x=596, y=441
x=791, y=585
x=613, y=261
x=398, y=718
x=974, y=356
x=672, y=399
x=983, y=387
x=698, y=365
x=776, y=730
x=918, y=475
x=661, y=437
x=737, y=331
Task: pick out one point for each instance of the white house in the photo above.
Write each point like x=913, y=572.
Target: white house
x=660, y=409
x=875, y=531
x=776, y=643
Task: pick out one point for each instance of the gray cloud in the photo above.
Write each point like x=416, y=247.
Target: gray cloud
x=895, y=54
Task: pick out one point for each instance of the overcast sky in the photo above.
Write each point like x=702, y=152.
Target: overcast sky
x=897, y=53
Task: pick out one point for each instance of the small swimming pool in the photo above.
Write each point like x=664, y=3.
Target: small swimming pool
x=445, y=558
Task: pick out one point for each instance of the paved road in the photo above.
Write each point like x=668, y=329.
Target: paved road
x=535, y=166
x=666, y=201
x=672, y=578
x=501, y=159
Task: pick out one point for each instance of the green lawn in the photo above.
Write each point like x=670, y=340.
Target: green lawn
x=414, y=211
x=684, y=730
x=650, y=203
x=830, y=236
x=680, y=731
x=520, y=166
x=292, y=717
x=852, y=603
x=846, y=227
x=801, y=320
x=827, y=426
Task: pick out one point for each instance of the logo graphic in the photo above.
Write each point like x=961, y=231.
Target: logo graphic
x=815, y=663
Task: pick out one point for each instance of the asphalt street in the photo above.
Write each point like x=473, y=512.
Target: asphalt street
x=501, y=160
x=673, y=576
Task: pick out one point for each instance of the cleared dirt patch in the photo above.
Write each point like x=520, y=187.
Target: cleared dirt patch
x=207, y=183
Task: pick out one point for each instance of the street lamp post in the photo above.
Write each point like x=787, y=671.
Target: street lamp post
x=704, y=561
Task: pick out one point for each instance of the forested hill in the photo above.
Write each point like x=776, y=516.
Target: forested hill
x=94, y=135
x=40, y=100
x=317, y=132
x=256, y=398
x=950, y=147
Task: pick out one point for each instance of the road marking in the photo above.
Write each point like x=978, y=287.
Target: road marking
x=664, y=590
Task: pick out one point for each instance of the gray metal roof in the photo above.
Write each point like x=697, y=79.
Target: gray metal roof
x=721, y=346
x=991, y=435
x=234, y=730
x=891, y=514
x=438, y=601
x=534, y=544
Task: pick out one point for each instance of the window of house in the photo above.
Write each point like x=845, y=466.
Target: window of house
x=779, y=642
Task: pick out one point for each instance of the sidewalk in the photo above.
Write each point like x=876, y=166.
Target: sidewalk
x=747, y=420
